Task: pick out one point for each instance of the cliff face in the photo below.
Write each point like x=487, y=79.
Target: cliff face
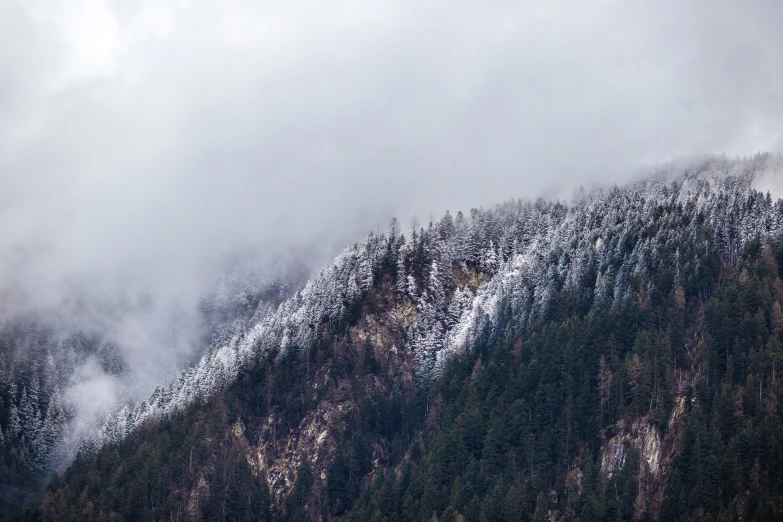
x=536, y=358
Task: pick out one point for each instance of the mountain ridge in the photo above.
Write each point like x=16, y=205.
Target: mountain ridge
x=378, y=333
x=351, y=274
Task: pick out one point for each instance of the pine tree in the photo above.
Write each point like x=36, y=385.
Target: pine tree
x=541, y=514
x=777, y=319
x=28, y=412
x=634, y=380
x=512, y=504
x=364, y=275
x=436, y=292
x=604, y=382
x=14, y=424
x=489, y=259
x=411, y=287
x=402, y=278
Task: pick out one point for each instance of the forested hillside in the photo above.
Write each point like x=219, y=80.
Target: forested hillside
x=47, y=362
x=614, y=357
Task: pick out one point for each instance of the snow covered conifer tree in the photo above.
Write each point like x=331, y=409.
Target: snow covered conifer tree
x=401, y=285
x=489, y=260
x=411, y=287
x=436, y=292
x=28, y=411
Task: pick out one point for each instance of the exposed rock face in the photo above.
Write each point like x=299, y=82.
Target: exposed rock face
x=654, y=452
x=645, y=439
x=280, y=458
x=642, y=436
x=277, y=451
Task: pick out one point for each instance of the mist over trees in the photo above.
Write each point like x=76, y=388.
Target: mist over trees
x=531, y=358
x=62, y=373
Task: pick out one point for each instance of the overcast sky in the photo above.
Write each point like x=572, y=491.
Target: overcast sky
x=141, y=141
x=141, y=137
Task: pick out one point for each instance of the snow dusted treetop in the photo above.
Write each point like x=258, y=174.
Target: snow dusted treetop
x=602, y=247
x=292, y=326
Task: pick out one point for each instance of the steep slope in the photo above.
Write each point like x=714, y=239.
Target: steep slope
x=540, y=353
x=662, y=410
x=49, y=363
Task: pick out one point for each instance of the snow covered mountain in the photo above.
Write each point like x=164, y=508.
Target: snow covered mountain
x=600, y=248
x=547, y=356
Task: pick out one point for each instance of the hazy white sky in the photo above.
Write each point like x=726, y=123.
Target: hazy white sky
x=141, y=139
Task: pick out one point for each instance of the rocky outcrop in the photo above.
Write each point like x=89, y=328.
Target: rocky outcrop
x=641, y=435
